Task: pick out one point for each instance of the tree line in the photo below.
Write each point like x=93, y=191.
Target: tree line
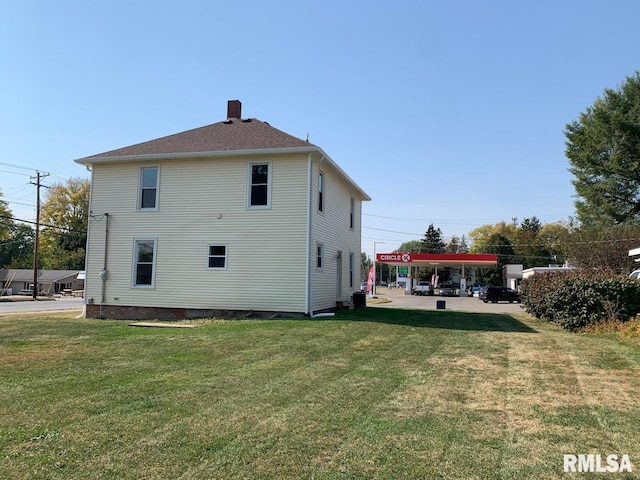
x=603, y=149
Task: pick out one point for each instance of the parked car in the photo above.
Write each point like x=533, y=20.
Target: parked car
x=635, y=275
x=448, y=291
x=423, y=288
x=478, y=288
x=500, y=294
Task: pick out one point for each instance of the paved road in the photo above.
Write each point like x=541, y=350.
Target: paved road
x=397, y=297
x=24, y=306
x=466, y=304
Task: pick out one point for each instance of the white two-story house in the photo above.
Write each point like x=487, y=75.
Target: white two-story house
x=232, y=217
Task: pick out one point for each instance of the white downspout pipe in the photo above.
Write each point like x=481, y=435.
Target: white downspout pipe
x=307, y=277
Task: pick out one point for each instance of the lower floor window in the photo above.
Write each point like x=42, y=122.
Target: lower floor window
x=217, y=256
x=319, y=255
x=144, y=262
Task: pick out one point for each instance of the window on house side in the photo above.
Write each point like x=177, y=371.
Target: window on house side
x=144, y=254
x=351, y=267
x=353, y=213
x=148, y=194
x=319, y=254
x=259, y=185
x=218, y=257
x=321, y=192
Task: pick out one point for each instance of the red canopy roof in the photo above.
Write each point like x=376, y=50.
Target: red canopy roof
x=472, y=259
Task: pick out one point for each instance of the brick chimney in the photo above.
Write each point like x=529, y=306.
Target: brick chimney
x=234, y=109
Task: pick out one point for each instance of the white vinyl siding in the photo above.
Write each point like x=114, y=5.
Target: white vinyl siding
x=269, y=252
x=335, y=233
x=204, y=201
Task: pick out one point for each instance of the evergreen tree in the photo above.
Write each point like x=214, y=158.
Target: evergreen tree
x=603, y=148
x=453, y=245
x=463, y=247
x=432, y=241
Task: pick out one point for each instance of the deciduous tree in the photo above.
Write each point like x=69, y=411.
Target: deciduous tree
x=65, y=214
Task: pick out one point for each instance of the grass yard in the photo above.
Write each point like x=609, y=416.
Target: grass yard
x=377, y=393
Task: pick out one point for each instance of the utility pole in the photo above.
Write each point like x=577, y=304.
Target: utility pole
x=39, y=176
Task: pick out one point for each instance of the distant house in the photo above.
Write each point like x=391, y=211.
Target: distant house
x=14, y=281
x=236, y=216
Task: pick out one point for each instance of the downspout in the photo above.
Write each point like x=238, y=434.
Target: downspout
x=103, y=273
x=307, y=279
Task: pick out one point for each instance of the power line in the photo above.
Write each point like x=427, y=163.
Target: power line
x=70, y=230
x=18, y=166
x=16, y=173
x=473, y=221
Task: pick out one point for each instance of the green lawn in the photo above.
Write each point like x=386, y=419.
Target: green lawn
x=375, y=393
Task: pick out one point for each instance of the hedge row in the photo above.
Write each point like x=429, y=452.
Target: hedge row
x=579, y=298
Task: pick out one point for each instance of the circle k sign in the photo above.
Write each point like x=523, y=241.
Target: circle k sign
x=395, y=257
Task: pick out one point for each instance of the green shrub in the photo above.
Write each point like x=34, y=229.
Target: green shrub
x=578, y=298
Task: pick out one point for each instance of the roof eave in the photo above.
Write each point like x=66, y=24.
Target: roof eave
x=363, y=194
x=208, y=154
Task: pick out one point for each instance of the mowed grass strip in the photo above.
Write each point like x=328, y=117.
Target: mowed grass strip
x=375, y=393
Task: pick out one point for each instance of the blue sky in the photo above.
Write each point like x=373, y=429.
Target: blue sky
x=449, y=113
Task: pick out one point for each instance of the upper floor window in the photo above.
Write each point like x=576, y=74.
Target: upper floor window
x=259, y=191
x=217, y=257
x=144, y=260
x=148, y=188
x=321, y=192
x=352, y=214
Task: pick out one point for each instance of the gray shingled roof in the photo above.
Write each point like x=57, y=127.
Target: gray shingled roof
x=229, y=135
x=44, y=276
x=232, y=135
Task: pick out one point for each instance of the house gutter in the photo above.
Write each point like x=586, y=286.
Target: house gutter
x=97, y=159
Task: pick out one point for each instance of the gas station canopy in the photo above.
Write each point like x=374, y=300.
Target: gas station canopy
x=438, y=259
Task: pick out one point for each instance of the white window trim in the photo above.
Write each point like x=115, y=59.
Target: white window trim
x=139, y=198
x=269, y=176
x=137, y=240
x=226, y=255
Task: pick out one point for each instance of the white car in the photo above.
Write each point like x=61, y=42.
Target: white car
x=635, y=275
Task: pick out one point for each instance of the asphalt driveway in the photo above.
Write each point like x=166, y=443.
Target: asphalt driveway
x=467, y=304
